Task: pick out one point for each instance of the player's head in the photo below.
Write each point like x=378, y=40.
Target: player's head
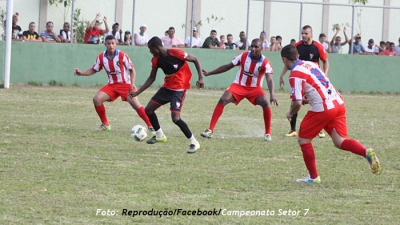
x=306, y=33
x=96, y=25
x=110, y=43
x=155, y=45
x=256, y=47
x=289, y=55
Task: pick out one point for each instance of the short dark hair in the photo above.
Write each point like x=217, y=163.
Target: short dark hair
x=213, y=31
x=322, y=35
x=258, y=40
x=49, y=23
x=109, y=37
x=229, y=35
x=171, y=28
x=154, y=41
x=278, y=37
x=307, y=27
x=290, y=52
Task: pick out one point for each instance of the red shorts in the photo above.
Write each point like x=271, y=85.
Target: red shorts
x=116, y=90
x=314, y=122
x=240, y=92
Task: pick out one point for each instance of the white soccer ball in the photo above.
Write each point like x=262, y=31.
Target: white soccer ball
x=139, y=133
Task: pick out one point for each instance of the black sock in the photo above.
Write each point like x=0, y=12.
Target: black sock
x=293, y=122
x=154, y=121
x=184, y=128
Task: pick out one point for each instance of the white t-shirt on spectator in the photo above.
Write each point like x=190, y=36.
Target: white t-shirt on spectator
x=195, y=41
x=117, y=36
x=141, y=39
x=374, y=49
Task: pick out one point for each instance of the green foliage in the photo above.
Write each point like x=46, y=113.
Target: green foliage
x=53, y=83
x=79, y=26
x=34, y=83
x=66, y=5
x=358, y=1
x=212, y=19
x=336, y=25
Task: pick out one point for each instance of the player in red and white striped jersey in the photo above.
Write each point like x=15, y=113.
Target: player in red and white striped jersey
x=310, y=85
x=248, y=84
x=121, y=80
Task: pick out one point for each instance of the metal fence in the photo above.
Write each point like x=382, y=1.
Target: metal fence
x=285, y=18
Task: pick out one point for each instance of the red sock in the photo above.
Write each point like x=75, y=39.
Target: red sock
x=101, y=111
x=143, y=115
x=219, y=108
x=267, y=119
x=353, y=146
x=309, y=159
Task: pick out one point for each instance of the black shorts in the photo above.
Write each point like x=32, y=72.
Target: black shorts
x=176, y=98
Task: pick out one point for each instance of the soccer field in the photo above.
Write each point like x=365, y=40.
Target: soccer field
x=56, y=168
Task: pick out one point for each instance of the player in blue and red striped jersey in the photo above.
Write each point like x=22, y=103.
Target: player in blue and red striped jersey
x=248, y=84
x=174, y=64
x=310, y=85
x=121, y=80
x=309, y=50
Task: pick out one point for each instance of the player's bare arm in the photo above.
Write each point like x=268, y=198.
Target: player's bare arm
x=345, y=37
x=87, y=72
x=326, y=66
x=193, y=59
x=132, y=74
x=146, y=84
x=294, y=108
x=282, y=77
x=219, y=70
x=94, y=21
x=271, y=88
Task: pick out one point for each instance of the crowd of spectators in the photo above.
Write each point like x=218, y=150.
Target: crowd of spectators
x=94, y=34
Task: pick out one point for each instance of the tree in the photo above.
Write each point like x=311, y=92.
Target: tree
x=66, y=3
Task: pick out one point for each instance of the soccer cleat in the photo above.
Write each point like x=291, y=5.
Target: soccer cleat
x=321, y=134
x=307, y=179
x=207, y=133
x=155, y=139
x=291, y=133
x=373, y=160
x=193, y=147
x=151, y=130
x=104, y=127
x=267, y=137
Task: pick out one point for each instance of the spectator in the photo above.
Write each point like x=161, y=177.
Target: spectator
x=31, y=34
x=390, y=51
x=116, y=32
x=279, y=39
x=212, y=41
x=293, y=41
x=171, y=40
x=275, y=46
x=229, y=42
x=358, y=48
x=397, y=49
x=222, y=42
x=322, y=40
x=140, y=38
x=243, y=42
x=371, y=49
x=65, y=33
x=196, y=41
x=48, y=35
x=127, y=38
x=382, y=46
x=336, y=42
x=93, y=31
x=264, y=41
x=16, y=30
x=166, y=33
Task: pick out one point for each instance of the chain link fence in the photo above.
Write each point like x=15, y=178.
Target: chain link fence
x=283, y=18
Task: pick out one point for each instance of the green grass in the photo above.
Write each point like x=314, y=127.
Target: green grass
x=56, y=168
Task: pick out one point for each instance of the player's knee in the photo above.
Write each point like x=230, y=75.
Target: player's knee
x=148, y=110
x=175, y=118
x=223, y=101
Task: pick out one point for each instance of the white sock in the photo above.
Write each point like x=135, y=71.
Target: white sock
x=159, y=133
x=193, y=140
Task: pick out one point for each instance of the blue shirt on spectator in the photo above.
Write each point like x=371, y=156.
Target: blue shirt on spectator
x=357, y=48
